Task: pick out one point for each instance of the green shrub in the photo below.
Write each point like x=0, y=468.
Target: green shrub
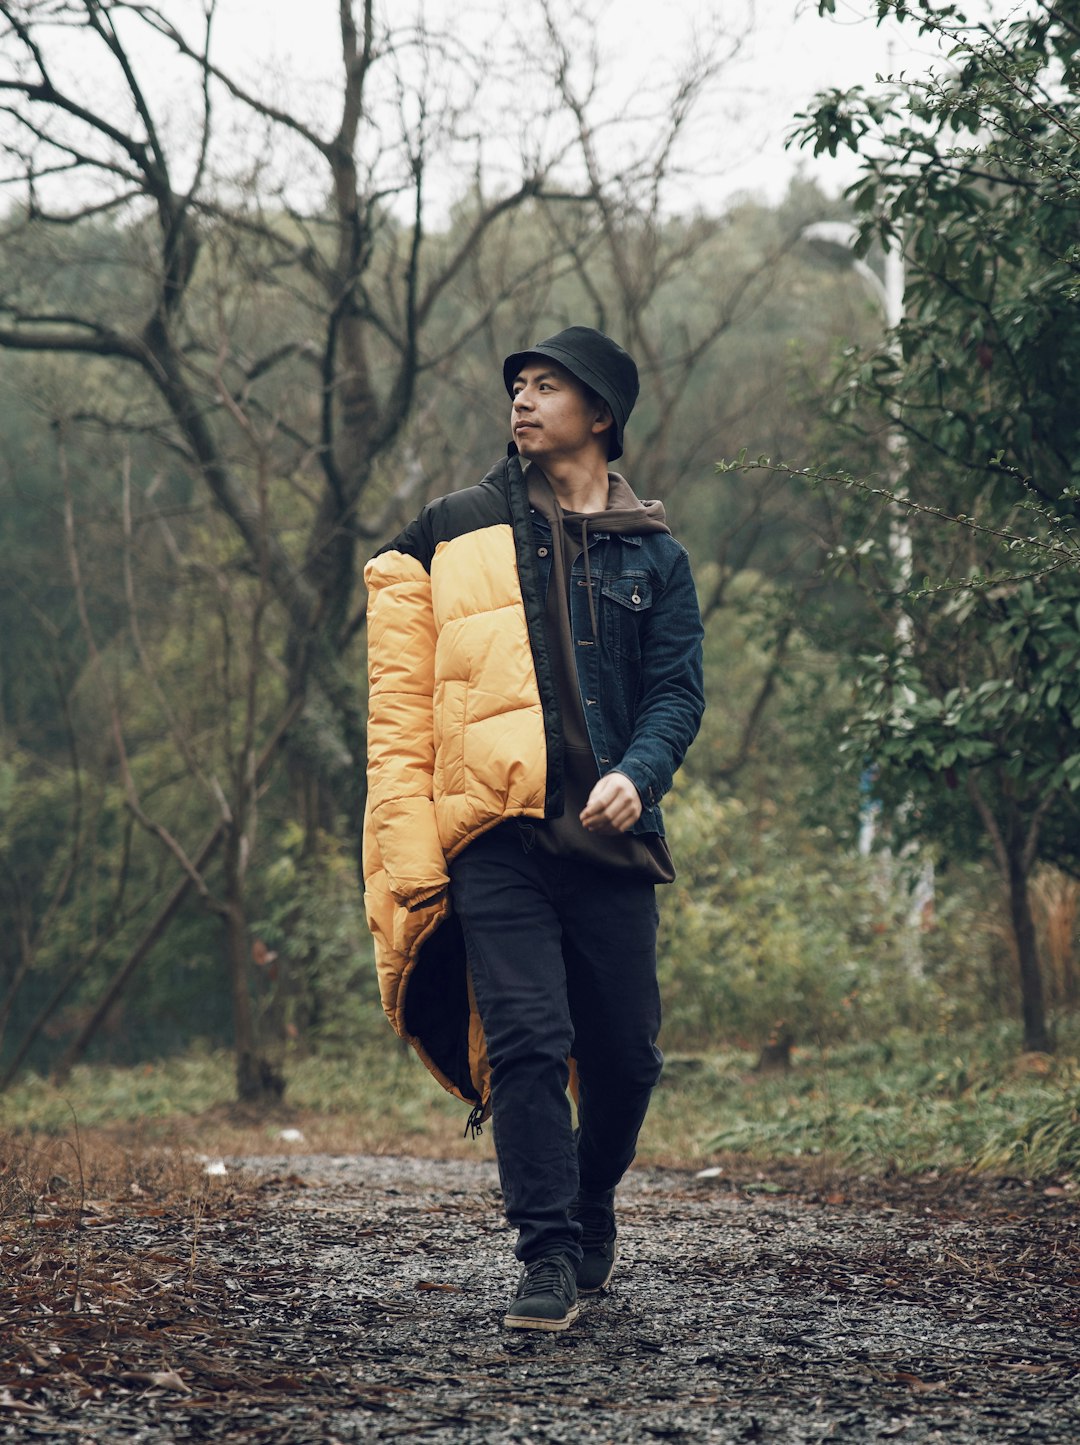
x=761, y=931
x=325, y=994
x=910, y=1102
x=1045, y=1141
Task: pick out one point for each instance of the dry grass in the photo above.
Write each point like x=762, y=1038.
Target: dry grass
x=183, y=1145
x=904, y=1104
x=67, y=1176
x=106, y=1271
x=1056, y=903
x=232, y=1132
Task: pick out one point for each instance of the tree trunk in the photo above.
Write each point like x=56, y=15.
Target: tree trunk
x=258, y=1081
x=775, y=1053
x=1015, y=851
x=1036, y=1035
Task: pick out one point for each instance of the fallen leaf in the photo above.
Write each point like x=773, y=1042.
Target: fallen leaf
x=9, y=1402
x=921, y=1387
x=157, y=1380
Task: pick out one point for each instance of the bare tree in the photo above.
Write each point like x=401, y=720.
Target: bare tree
x=268, y=303
x=220, y=759
x=348, y=247
x=682, y=291
x=641, y=240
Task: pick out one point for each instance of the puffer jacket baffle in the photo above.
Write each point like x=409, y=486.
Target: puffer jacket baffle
x=464, y=729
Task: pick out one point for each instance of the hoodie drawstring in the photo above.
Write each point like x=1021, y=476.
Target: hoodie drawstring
x=588, y=577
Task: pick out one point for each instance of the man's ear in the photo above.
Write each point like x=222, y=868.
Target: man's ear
x=604, y=419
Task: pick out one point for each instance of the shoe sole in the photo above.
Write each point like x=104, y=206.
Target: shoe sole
x=537, y=1322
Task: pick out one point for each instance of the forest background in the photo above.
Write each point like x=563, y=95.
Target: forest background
x=240, y=346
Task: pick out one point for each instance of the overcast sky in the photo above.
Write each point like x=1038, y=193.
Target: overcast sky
x=290, y=53
x=790, y=54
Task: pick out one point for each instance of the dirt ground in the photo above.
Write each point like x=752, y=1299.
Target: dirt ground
x=338, y=1299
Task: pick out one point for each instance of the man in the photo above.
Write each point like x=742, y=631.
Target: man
x=535, y=670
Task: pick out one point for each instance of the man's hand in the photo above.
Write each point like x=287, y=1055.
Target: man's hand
x=614, y=805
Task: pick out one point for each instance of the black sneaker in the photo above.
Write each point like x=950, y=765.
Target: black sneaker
x=546, y=1296
x=596, y=1215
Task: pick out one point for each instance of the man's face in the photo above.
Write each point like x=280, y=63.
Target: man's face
x=552, y=417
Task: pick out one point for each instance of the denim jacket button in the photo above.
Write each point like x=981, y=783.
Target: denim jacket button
x=541, y=551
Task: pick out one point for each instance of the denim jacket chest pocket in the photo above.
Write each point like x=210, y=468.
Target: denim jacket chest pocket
x=628, y=598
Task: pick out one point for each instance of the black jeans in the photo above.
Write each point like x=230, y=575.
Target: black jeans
x=563, y=961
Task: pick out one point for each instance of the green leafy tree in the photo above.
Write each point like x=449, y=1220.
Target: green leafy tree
x=990, y=698
x=972, y=704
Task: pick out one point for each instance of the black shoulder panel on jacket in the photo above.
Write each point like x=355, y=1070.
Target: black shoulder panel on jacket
x=484, y=505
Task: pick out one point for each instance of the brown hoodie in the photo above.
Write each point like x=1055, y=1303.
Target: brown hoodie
x=644, y=855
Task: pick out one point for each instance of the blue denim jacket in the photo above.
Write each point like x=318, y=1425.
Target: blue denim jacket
x=642, y=688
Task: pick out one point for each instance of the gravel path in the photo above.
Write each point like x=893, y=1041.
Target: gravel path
x=355, y=1299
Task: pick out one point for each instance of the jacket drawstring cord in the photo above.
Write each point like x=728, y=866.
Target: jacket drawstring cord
x=474, y=1126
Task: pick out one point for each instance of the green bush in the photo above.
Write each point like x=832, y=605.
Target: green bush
x=909, y=1102
x=324, y=991
x=766, y=930
x=1046, y=1139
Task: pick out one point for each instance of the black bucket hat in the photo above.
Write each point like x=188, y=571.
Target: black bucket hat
x=597, y=362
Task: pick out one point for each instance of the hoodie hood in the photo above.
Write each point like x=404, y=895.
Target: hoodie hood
x=624, y=515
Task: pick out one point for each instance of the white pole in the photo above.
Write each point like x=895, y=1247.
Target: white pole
x=889, y=294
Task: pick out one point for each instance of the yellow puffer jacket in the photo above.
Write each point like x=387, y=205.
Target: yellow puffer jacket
x=457, y=743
